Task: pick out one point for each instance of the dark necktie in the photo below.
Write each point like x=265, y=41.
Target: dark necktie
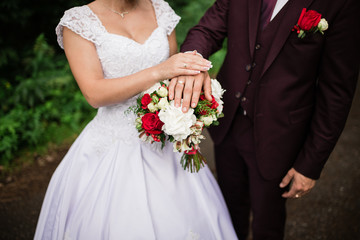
x=267, y=9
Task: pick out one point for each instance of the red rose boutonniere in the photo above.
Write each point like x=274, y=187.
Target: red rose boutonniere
x=310, y=22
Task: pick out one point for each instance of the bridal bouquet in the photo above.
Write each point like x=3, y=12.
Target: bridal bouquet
x=159, y=120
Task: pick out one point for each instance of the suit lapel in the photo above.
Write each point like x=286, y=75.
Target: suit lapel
x=293, y=10
x=254, y=18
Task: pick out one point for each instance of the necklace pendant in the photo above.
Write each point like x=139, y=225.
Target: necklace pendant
x=123, y=14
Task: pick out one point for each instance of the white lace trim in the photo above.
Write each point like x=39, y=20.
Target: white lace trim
x=166, y=16
x=82, y=21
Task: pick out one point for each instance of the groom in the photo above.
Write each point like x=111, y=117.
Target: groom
x=288, y=93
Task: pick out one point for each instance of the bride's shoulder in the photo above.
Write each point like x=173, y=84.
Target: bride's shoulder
x=82, y=21
x=166, y=16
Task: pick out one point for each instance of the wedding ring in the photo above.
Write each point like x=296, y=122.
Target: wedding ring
x=181, y=82
x=297, y=196
x=185, y=65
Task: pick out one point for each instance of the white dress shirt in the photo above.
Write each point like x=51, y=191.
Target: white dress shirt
x=279, y=5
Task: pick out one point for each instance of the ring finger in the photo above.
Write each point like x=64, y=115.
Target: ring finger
x=178, y=91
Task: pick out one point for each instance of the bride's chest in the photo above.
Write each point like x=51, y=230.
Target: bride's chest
x=121, y=56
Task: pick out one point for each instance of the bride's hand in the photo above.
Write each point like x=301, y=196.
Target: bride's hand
x=181, y=64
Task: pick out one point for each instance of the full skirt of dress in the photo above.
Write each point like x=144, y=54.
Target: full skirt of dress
x=131, y=191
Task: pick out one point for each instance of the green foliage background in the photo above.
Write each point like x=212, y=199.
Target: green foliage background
x=40, y=101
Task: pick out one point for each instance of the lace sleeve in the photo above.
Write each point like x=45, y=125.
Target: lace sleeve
x=82, y=21
x=166, y=16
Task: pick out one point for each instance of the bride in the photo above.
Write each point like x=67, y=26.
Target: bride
x=111, y=185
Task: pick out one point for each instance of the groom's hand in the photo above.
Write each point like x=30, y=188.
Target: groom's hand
x=300, y=186
x=189, y=89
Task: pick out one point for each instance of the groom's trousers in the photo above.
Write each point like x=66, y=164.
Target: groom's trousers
x=244, y=188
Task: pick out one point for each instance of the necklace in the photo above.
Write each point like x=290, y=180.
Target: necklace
x=122, y=14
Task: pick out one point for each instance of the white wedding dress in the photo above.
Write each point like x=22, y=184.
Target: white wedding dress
x=111, y=185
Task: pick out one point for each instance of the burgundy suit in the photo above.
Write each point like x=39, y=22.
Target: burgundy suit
x=296, y=95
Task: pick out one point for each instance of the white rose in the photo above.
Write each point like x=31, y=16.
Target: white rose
x=216, y=89
x=177, y=123
x=152, y=107
x=323, y=25
x=217, y=92
x=154, y=88
x=163, y=103
x=163, y=92
x=207, y=120
x=220, y=107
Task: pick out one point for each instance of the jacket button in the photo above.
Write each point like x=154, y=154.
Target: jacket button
x=248, y=67
x=243, y=99
x=257, y=47
x=249, y=82
x=253, y=65
x=237, y=95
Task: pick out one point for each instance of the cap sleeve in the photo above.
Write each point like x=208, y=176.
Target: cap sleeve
x=83, y=22
x=166, y=16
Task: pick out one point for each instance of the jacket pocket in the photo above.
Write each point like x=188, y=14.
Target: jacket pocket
x=301, y=115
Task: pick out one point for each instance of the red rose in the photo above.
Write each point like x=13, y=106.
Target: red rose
x=151, y=123
x=308, y=19
x=214, y=103
x=145, y=100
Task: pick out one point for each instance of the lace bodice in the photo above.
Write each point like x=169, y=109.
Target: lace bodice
x=120, y=56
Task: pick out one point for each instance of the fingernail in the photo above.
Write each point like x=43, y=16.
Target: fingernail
x=206, y=68
x=184, y=109
x=193, y=105
x=197, y=71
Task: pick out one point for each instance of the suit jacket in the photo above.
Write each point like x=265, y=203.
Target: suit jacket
x=305, y=87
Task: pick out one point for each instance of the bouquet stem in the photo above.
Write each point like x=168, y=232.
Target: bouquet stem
x=193, y=161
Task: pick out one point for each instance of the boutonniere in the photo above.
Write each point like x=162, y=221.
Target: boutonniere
x=310, y=22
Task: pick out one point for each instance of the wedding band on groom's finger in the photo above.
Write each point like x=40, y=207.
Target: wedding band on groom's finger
x=181, y=82
x=297, y=195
